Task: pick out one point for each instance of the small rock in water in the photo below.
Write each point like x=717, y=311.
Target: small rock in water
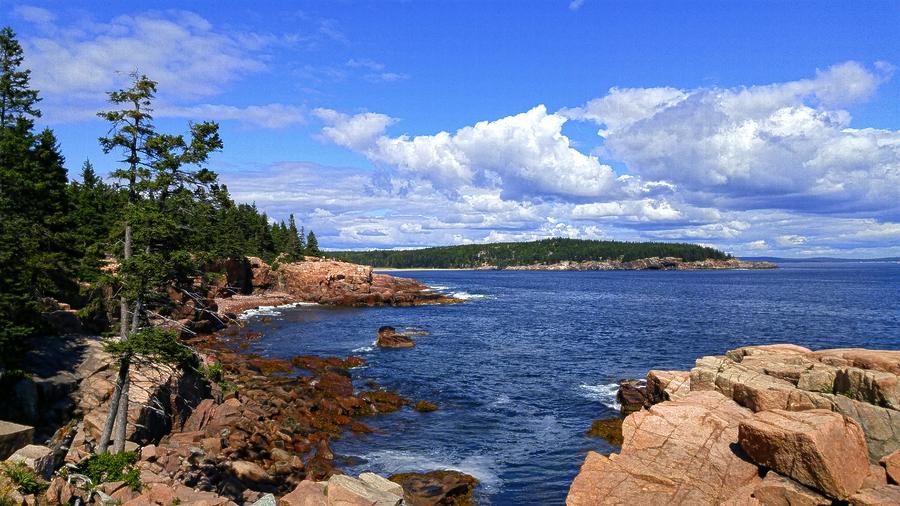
x=388, y=337
x=609, y=429
x=424, y=406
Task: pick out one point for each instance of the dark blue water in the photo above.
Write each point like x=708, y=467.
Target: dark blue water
x=521, y=369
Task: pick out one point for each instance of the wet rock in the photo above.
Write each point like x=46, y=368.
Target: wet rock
x=668, y=385
x=609, y=429
x=388, y=337
x=437, y=487
x=13, y=436
x=818, y=448
x=424, y=406
x=632, y=396
x=677, y=452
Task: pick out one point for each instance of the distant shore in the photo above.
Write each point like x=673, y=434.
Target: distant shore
x=644, y=264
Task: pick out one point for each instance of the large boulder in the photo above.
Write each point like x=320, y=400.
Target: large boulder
x=13, y=436
x=35, y=457
x=677, y=452
x=861, y=384
x=818, y=448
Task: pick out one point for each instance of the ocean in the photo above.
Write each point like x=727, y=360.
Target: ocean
x=522, y=368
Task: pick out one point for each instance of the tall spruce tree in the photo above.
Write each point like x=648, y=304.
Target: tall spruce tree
x=33, y=203
x=162, y=175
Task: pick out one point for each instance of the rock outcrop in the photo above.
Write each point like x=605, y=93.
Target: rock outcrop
x=677, y=452
x=774, y=424
x=322, y=281
x=13, y=436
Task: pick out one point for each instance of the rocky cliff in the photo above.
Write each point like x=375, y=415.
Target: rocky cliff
x=760, y=425
x=321, y=281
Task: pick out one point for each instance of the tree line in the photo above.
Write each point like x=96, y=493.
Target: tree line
x=547, y=251
x=161, y=219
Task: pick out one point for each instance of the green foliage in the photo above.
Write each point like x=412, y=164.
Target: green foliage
x=56, y=235
x=155, y=344
x=34, y=252
x=109, y=467
x=213, y=372
x=547, y=251
x=23, y=478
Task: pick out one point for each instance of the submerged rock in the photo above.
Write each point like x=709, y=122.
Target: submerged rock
x=437, y=487
x=424, y=406
x=609, y=429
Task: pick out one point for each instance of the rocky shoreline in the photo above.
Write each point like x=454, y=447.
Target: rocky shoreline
x=644, y=264
x=760, y=425
x=238, y=429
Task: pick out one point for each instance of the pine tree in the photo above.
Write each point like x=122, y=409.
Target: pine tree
x=17, y=99
x=33, y=203
x=312, y=245
x=161, y=193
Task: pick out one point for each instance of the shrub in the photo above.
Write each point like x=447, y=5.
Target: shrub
x=24, y=479
x=106, y=467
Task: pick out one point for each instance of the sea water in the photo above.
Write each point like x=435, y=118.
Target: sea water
x=521, y=369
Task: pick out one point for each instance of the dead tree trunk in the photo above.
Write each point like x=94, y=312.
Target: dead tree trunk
x=122, y=411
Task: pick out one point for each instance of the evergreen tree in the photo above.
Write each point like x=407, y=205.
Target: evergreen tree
x=17, y=99
x=33, y=203
x=312, y=245
x=162, y=191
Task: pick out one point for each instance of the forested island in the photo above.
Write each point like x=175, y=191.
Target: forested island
x=555, y=252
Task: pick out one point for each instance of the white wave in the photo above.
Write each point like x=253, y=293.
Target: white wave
x=502, y=400
x=468, y=296
x=438, y=288
x=272, y=310
x=396, y=461
x=605, y=393
x=364, y=349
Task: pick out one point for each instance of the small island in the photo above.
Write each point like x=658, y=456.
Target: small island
x=555, y=255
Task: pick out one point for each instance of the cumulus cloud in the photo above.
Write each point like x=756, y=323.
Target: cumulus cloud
x=784, y=146
x=525, y=154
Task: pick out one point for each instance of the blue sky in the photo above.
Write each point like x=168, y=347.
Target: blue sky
x=763, y=128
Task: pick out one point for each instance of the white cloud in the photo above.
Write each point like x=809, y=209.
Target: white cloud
x=181, y=50
x=358, y=132
x=266, y=116
x=524, y=154
x=776, y=146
